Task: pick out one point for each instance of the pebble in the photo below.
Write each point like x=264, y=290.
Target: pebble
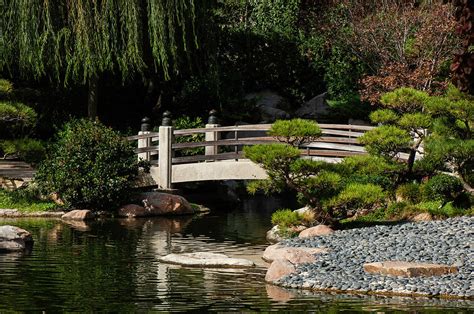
x=449, y=242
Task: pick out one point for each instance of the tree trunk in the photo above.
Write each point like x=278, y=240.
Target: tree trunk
x=92, y=97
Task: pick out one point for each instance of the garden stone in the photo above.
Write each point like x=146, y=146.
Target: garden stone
x=295, y=255
x=14, y=239
x=408, y=269
x=422, y=217
x=318, y=230
x=132, y=211
x=78, y=214
x=157, y=203
x=279, y=269
x=273, y=235
x=206, y=260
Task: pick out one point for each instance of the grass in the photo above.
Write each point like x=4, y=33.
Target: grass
x=402, y=211
x=24, y=202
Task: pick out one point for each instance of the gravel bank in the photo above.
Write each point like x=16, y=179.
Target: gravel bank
x=449, y=242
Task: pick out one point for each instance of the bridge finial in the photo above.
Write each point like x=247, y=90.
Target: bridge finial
x=212, y=117
x=166, y=121
x=145, y=126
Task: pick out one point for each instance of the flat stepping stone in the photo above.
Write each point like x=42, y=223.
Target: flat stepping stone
x=408, y=269
x=293, y=254
x=206, y=260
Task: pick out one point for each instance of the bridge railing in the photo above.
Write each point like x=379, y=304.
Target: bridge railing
x=223, y=143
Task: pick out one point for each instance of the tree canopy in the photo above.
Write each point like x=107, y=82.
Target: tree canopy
x=79, y=39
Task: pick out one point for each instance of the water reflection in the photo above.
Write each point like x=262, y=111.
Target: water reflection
x=112, y=265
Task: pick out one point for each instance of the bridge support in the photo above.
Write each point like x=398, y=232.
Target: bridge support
x=210, y=137
x=165, y=152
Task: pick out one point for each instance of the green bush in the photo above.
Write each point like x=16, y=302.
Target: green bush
x=386, y=140
x=405, y=100
x=358, y=196
x=286, y=218
x=16, y=118
x=409, y=192
x=295, y=131
x=442, y=187
x=186, y=122
x=90, y=166
x=6, y=87
x=29, y=150
x=384, y=116
x=436, y=208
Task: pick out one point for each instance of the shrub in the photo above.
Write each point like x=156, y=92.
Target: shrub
x=16, y=118
x=29, y=150
x=185, y=122
x=405, y=100
x=6, y=87
x=409, y=192
x=24, y=199
x=442, y=187
x=285, y=218
x=384, y=116
x=90, y=166
x=386, y=140
x=296, y=131
x=358, y=196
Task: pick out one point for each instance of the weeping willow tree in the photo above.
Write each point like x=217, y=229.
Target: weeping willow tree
x=78, y=40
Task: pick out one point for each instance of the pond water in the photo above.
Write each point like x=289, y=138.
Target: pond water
x=112, y=265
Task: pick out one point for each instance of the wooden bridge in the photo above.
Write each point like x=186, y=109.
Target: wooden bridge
x=222, y=157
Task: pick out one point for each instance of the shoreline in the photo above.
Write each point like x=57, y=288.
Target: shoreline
x=15, y=213
x=340, y=270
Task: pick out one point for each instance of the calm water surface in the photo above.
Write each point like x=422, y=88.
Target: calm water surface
x=112, y=265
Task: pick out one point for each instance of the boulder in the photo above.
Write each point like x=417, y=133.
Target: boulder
x=296, y=255
x=78, y=214
x=313, y=108
x=157, y=203
x=206, y=260
x=273, y=236
x=14, y=239
x=279, y=269
x=315, y=231
x=408, y=269
x=132, y=211
x=422, y=217
x=269, y=104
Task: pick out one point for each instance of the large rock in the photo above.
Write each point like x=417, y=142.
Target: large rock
x=14, y=239
x=78, y=214
x=206, y=260
x=315, y=231
x=314, y=108
x=273, y=235
x=408, y=269
x=422, y=217
x=157, y=203
x=296, y=255
x=269, y=104
x=279, y=269
x=132, y=211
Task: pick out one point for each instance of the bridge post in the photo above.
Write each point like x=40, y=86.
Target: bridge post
x=212, y=122
x=165, y=152
x=145, y=128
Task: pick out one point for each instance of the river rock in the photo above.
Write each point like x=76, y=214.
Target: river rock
x=315, y=231
x=296, y=255
x=14, y=239
x=273, y=236
x=422, y=217
x=157, y=203
x=408, y=269
x=314, y=108
x=206, y=260
x=132, y=211
x=279, y=269
x=78, y=214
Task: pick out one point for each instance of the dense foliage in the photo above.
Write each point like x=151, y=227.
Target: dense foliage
x=90, y=166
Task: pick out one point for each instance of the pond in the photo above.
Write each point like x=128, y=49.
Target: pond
x=112, y=265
